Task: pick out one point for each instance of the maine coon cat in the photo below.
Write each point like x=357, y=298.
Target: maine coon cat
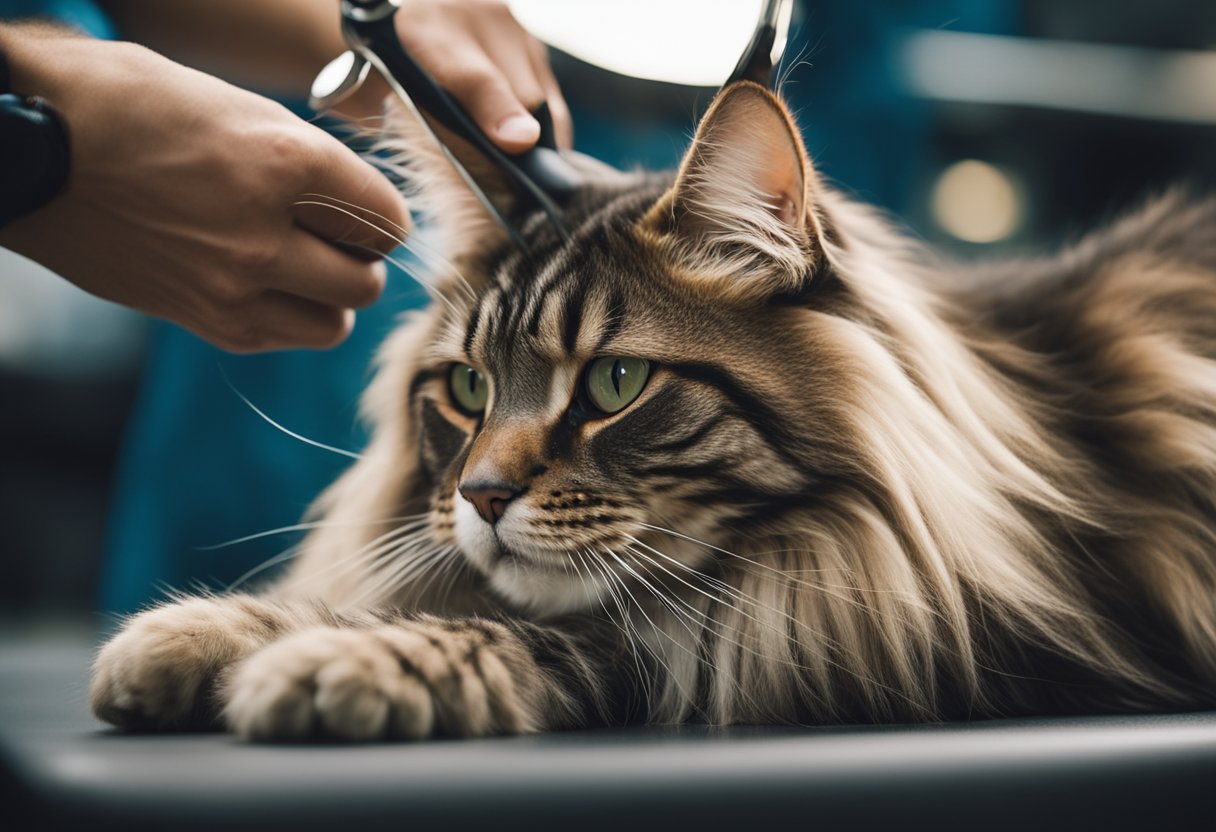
x=740, y=452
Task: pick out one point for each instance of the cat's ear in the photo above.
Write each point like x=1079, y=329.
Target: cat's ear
x=435, y=187
x=740, y=214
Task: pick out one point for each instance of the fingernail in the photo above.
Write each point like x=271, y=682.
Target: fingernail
x=520, y=127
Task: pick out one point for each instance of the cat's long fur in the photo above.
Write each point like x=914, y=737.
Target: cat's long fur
x=862, y=483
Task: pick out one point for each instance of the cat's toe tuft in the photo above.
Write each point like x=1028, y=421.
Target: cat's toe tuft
x=158, y=672
x=409, y=681
x=162, y=669
x=325, y=683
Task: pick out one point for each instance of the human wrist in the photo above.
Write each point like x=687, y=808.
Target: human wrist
x=36, y=161
x=33, y=56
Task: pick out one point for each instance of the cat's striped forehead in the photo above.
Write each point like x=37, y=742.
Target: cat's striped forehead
x=561, y=300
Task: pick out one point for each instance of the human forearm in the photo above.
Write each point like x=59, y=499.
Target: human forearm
x=271, y=45
x=184, y=197
x=31, y=50
x=473, y=48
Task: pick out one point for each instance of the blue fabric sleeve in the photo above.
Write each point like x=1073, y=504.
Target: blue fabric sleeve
x=82, y=14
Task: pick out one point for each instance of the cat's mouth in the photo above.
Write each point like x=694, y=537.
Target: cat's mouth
x=544, y=582
x=530, y=564
x=504, y=555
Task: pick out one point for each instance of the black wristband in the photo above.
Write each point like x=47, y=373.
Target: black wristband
x=35, y=152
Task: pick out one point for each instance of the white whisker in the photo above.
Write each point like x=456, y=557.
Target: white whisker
x=282, y=557
x=287, y=431
x=300, y=527
x=333, y=199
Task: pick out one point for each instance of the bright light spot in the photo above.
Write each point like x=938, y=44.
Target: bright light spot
x=693, y=42
x=976, y=202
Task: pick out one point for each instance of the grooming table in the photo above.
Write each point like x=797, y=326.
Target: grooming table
x=62, y=769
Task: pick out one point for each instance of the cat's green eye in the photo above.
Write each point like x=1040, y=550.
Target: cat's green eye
x=613, y=383
x=469, y=388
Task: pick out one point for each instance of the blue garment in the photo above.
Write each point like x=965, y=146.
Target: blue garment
x=81, y=14
x=200, y=467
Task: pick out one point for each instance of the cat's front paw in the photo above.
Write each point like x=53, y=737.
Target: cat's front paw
x=160, y=670
x=405, y=681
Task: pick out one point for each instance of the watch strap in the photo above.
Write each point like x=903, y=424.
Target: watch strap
x=35, y=155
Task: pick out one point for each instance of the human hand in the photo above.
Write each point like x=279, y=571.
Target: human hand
x=184, y=200
x=477, y=51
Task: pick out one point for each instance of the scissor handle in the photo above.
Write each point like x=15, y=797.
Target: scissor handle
x=548, y=134
x=540, y=173
x=372, y=11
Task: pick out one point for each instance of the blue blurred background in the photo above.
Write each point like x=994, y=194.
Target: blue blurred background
x=988, y=127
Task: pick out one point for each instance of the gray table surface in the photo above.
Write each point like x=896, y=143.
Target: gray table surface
x=63, y=768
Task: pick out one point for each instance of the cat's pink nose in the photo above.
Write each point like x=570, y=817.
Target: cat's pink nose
x=489, y=500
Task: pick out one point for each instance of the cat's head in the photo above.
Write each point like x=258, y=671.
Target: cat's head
x=602, y=408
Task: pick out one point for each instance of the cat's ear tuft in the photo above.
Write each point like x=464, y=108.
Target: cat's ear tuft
x=740, y=213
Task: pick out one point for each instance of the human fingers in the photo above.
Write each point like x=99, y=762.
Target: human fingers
x=491, y=100
x=345, y=201
x=514, y=56
x=524, y=63
x=314, y=269
x=278, y=321
x=477, y=51
x=559, y=111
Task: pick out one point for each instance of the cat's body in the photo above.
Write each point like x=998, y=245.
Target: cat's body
x=738, y=452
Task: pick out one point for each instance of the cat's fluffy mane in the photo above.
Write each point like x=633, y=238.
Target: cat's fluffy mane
x=1021, y=519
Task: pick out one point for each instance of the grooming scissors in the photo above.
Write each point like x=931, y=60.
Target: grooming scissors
x=540, y=175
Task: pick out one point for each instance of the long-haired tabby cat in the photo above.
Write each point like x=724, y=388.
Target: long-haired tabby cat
x=740, y=452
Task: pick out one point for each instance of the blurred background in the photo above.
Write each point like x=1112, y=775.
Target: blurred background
x=988, y=127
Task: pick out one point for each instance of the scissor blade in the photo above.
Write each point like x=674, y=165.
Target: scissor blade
x=785, y=11
x=482, y=197
x=767, y=44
